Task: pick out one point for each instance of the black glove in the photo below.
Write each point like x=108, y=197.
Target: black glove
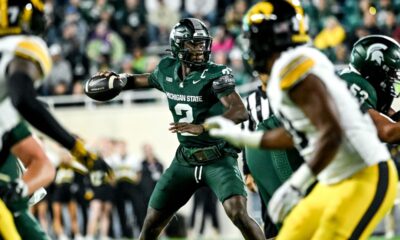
x=12, y=190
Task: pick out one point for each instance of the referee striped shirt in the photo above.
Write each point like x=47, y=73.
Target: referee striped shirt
x=258, y=108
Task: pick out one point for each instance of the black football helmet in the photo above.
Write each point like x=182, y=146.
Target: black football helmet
x=23, y=17
x=377, y=59
x=273, y=26
x=190, y=42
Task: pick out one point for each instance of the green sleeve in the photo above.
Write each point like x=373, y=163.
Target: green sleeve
x=362, y=90
x=18, y=133
x=223, y=80
x=154, y=79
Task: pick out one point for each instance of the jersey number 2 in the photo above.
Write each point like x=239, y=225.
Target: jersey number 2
x=183, y=109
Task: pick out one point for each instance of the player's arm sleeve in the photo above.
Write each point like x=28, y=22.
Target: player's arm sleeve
x=224, y=85
x=154, y=79
x=295, y=71
x=23, y=97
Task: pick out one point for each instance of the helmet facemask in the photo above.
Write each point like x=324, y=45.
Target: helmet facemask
x=191, y=43
x=195, y=52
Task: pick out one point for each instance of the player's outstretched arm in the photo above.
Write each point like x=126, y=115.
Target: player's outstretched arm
x=388, y=130
x=104, y=86
x=21, y=76
x=222, y=127
x=236, y=111
x=20, y=79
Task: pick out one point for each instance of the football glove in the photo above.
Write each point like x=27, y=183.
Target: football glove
x=89, y=159
x=12, y=190
x=222, y=127
x=290, y=194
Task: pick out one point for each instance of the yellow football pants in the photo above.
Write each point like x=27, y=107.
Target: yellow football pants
x=350, y=209
x=8, y=231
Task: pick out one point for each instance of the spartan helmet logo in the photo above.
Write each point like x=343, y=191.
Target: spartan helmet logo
x=374, y=52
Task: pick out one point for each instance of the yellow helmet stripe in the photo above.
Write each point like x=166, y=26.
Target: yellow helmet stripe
x=31, y=50
x=8, y=231
x=38, y=4
x=259, y=12
x=4, y=13
x=302, y=36
x=295, y=70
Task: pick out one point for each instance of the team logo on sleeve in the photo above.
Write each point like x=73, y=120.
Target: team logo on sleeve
x=375, y=54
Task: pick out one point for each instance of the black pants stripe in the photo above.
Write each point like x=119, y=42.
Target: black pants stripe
x=382, y=187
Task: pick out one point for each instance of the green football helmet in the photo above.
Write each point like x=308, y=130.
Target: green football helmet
x=190, y=42
x=377, y=59
x=273, y=26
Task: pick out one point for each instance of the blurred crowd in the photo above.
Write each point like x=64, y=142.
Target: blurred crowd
x=131, y=35
x=82, y=205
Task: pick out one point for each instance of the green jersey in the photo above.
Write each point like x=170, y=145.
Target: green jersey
x=361, y=89
x=194, y=98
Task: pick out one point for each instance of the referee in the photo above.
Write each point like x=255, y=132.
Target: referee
x=266, y=169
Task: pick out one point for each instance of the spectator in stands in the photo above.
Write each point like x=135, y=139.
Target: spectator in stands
x=161, y=20
x=370, y=23
x=139, y=61
x=152, y=62
x=132, y=24
x=63, y=194
x=96, y=11
x=74, y=52
x=105, y=43
x=318, y=13
x=127, y=169
x=332, y=35
x=101, y=204
x=205, y=10
x=222, y=40
x=238, y=70
x=355, y=11
x=383, y=7
x=151, y=172
x=341, y=54
x=126, y=65
x=233, y=17
x=390, y=26
x=59, y=81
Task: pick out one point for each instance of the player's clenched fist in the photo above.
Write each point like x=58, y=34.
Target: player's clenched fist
x=104, y=86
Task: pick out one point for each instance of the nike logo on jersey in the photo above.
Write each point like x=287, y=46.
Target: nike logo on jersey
x=168, y=79
x=94, y=82
x=195, y=82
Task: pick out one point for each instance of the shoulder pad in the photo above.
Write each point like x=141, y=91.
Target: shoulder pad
x=223, y=83
x=295, y=70
x=217, y=70
x=35, y=50
x=166, y=63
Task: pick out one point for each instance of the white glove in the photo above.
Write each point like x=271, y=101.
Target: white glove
x=290, y=194
x=224, y=128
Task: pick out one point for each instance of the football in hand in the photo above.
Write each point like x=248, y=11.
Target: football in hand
x=104, y=86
